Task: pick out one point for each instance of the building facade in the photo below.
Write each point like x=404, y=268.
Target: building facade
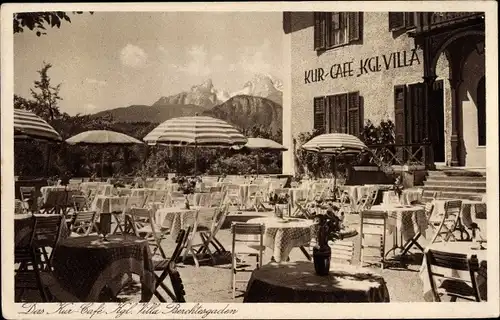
x=423, y=71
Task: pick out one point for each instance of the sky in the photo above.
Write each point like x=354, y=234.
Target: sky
x=114, y=59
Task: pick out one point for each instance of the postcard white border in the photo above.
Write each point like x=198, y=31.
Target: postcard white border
x=262, y=311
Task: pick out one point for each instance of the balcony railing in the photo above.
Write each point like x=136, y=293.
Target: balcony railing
x=388, y=155
x=431, y=20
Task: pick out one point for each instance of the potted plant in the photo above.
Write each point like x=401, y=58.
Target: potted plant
x=328, y=228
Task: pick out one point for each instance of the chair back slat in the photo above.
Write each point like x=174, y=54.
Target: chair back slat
x=454, y=261
x=46, y=231
x=247, y=228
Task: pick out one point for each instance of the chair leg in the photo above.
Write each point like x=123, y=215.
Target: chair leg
x=233, y=274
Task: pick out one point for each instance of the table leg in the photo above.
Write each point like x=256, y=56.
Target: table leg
x=304, y=251
x=412, y=242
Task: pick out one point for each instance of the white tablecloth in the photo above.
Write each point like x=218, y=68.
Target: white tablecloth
x=282, y=236
x=464, y=247
x=409, y=220
x=108, y=204
x=175, y=219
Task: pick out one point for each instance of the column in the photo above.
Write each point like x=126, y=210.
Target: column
x=455, y=119
x=288, y=157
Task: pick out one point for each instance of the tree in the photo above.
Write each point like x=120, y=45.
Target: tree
x=37, y=21
x=47, y=97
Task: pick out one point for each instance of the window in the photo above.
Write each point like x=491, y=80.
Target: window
x=340, y=113
x=333, y=29
x=401, y=20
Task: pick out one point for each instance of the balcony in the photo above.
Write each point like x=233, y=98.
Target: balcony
x=429, y=21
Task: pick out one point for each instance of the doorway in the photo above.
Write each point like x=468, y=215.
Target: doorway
x=436, y=117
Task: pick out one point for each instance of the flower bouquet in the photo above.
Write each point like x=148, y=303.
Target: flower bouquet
x=397, y=187
x=281, y=204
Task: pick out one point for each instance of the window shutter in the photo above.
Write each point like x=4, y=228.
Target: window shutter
x=410, y=19
x=396, y=20
x=354, y=26
x=328, y=118
x=343, y=123
x=319, y=113
x=319, y=30
x=353, y=114
x=399, y=114
x=415, y=115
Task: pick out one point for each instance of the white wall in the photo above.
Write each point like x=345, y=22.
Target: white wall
x=473, y=71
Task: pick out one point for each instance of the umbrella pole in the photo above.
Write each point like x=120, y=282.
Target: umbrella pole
x=102, y=165
x=195, y=158
x=258, y=160
x=334, y=171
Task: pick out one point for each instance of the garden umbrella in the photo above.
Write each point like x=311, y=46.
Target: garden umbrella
x=28, y=125
x=195, y=131
x=102, y=137
x=261, y=144
x=335, y=144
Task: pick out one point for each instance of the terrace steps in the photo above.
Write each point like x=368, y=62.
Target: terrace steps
x=453, y=183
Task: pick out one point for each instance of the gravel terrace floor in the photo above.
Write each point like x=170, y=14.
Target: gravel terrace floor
x=213, y=283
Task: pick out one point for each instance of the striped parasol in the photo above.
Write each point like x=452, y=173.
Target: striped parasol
x=261, y=144
x=28, y=125
x=195, y=131
x=335, y=143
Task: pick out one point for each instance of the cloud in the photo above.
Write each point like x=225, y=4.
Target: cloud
x=99, y=83
x=198, y=64
x=133, y=56
x=162, y=49
x=254, y=59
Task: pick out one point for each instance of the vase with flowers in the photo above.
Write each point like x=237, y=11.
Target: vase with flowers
x=397, y=187
x=328, y=228
x=281, y=204
x=187, y=185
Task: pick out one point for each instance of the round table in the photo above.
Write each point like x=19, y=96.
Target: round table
x=175, y=219
x=282, y=235
x=464, y=247
x=98, y=264
x=298, y=282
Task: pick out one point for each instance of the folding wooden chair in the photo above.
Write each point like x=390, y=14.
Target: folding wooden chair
x=444, y=223
x=28, y=198
x=342, y=250
x=447, y=283
x=143, y=224
x=300, y=205
x=209, y=238
x=46, y=236
x=260, y=196
x=167, y=267
x=188, y=247
x=245, y=244
x=233, y=195
x=83, y=223
x=28, y=274
x=373, y=225
x=123, y=221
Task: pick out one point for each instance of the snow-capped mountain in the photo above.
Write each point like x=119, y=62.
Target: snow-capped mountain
x=207, y=96
x=264, y=86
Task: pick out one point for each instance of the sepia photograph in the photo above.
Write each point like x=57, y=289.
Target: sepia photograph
x=190, y=160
